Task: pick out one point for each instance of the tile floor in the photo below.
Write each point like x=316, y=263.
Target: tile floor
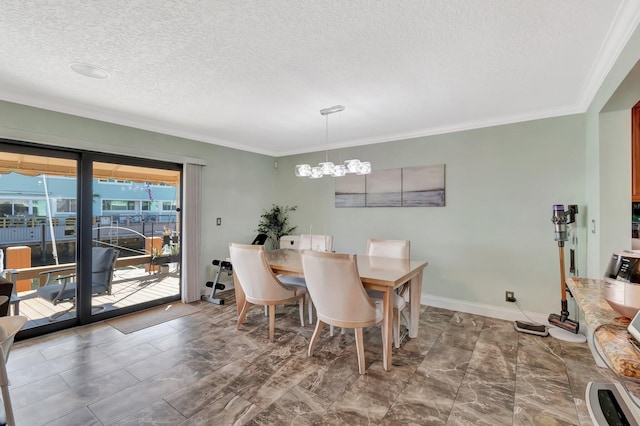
x=199, y=370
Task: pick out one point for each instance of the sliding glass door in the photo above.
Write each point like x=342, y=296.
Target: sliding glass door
x=134, y=213
x=38, y=212
x=87, y=236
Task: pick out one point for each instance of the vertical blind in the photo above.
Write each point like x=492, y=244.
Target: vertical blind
x=192, y=218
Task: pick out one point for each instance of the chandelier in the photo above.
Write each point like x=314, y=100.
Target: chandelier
x=327, y=168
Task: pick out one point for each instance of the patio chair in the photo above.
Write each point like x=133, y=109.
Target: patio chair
x=6, y=289
x=60, y=285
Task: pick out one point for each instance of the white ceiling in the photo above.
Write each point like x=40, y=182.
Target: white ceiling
x=254, y=75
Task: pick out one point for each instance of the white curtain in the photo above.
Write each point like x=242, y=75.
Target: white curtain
x=191, y=226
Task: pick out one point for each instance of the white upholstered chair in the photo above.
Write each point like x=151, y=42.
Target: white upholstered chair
x=316, y=242
x=340, y=299
x=9, y=327
x=397, y=249
x=309, y=242
x=260, y=285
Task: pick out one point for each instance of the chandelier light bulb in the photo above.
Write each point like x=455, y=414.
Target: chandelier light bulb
x=303, y=170
x=326, y=168
x=352, y=165
x=364, y=168
x=316, y=173
x=339, y=170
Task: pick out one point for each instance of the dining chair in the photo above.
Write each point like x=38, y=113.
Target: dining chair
x=397, y=249
x=260, y=284
x=340, y=299
x=9, y=327
x=316, y=242
x=309, y=242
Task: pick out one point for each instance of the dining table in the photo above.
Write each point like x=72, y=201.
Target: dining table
x=384, y=274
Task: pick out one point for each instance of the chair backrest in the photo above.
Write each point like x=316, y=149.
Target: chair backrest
x=9, y=327
x=260, y=239
x=6, y=288
x=316, y=242
x=397, y=249
x=254, y=273
x=335, y=287
x=103, y=260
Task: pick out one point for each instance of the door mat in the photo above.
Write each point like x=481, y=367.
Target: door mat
x=150, y=317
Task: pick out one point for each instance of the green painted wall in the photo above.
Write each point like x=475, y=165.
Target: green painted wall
x=494, y=234
x=237, y=185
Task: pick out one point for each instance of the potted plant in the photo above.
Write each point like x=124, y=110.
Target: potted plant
x=275, y=223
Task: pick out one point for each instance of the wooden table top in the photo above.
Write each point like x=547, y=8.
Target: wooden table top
x=383, y=271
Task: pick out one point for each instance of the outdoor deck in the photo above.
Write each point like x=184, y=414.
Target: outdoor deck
x=131, y=285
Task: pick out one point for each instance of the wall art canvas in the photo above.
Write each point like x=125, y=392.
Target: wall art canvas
x=350, y=191
x=384, y=188
x=423, y=186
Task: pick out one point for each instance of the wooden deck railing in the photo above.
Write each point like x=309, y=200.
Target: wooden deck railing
x=34, y=272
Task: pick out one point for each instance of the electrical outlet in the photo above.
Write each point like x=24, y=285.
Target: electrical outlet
x=509, y=296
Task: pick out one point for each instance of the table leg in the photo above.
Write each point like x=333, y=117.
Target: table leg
x=415, y=294
x=387, y=328
x=240, y=297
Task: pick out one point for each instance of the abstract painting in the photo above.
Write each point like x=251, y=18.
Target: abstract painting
x=384, y=188
x=422, y=186
x=350, y=191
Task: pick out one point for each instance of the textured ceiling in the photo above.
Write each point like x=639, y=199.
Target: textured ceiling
x=254, y=74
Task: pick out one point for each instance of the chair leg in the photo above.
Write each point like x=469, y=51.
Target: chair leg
x=360, y=350
x=301, y=309
x=310, y=308
x=272, y=322
x=7, y=406
x=243, y=314
x=396, y=328
x=61, y=313
x=314, y=338
x=330, y=329
x=406, y=314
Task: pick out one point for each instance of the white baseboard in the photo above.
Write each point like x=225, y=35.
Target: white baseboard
x=482, y=309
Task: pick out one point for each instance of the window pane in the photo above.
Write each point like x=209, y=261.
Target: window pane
x=37, y=239
x=39, y=207
x=20, y=207
x=66, y=206
x=147, y=242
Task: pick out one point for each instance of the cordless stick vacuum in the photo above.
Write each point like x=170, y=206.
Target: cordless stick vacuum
x=560, y=219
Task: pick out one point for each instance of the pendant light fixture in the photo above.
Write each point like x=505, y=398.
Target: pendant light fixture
x=327, y=168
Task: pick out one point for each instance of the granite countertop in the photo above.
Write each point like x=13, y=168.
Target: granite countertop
x=610, y=327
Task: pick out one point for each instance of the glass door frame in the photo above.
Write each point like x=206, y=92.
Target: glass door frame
x=84, y=228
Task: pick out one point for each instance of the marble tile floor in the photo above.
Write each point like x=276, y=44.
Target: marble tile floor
x=463, y=369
